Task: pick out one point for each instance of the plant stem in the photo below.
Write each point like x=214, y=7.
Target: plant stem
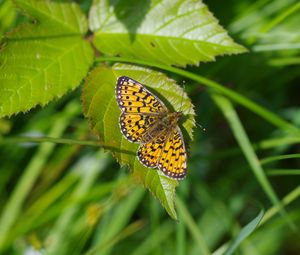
x=47, y=139
x=259, y=110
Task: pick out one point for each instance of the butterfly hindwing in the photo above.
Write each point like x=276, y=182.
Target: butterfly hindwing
x=149, y=153
x=173, y=158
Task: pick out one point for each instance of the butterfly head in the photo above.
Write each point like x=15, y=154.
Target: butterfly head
x=178, y=115
x=174, y=117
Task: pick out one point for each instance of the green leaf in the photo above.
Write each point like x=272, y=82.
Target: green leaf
x=7, y=15
x=165, y=31
x=100, y=107
x=43, y=60
x=244, y=233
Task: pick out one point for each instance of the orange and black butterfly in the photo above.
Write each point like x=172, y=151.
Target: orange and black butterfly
x=147, y=121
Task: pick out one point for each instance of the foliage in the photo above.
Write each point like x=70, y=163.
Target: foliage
x=39, y=61
x=67, y=195
x=168, y=32
x=98, y=90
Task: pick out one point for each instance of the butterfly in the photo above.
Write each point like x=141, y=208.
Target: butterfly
x=147, y=121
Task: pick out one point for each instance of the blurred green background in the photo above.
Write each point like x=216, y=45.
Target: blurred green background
x=77, y=199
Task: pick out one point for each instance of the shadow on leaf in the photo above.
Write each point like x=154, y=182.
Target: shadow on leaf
x=131, y=14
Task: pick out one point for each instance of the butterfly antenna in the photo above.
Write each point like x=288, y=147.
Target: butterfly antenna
x=200, y=126
x=181, y=104
x=183, y=89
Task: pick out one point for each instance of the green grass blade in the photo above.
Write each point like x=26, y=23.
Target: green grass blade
x=275, y=142
x=13, y=207
x=181, y=238
x=129, y=230
x=243, y=141
x=247, y=17
x=192, y=227
x=89, y=167
x=244, y=233
x=37, y=213
x=276, y=172
x=289, y=198
x=280, y=157
x=116, y=220
x=265, y=144
x=181, y=233
x=285, y=61
x=282, y=16
x=156, y=238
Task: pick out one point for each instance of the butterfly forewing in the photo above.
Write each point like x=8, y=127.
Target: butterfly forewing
x=149, y=153
x=133, y=97
x=140, y=108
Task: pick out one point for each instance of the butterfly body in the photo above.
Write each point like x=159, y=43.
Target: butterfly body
x=171, y=119
x=147, y=121
x=165, y=123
